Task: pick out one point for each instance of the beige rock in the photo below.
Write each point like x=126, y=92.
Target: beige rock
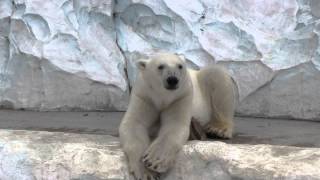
x=30, y=155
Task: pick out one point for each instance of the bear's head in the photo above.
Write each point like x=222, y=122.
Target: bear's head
x=164, y=69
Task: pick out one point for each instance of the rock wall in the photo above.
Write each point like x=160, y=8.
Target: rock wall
x=60, y=55
x=80, y=54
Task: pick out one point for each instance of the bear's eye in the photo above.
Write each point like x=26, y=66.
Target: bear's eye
x=161, y=67
x=180, y=66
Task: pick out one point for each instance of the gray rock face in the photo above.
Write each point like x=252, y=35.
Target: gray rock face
x=298, y=86
x=75, y=54
x=33, y=155
x=60, y=55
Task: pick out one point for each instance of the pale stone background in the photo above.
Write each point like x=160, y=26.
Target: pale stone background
x=79, y=54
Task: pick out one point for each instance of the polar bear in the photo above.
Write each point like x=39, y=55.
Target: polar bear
x=164, y=99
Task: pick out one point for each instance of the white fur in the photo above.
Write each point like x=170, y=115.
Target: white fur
x=201, y=108
x=205, y=95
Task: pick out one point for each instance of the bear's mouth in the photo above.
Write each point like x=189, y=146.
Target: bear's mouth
x=171, y=88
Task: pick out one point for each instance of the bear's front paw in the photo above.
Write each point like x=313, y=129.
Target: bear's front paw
x=150, y=175
x=142, y=173
x=136, y=169
x=219, y=129
x=159, y=158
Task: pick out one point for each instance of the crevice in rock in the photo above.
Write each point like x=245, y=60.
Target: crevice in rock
x=114, y=15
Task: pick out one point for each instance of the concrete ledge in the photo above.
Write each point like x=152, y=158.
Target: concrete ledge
x=247, y=130
x=75, y=122
x=30, y=155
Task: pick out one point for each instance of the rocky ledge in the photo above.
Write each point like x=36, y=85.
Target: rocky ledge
x=45, y=155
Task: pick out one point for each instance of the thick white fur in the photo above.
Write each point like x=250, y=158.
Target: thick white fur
x=206, y=95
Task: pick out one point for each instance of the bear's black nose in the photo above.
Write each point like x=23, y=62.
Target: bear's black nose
x=172, y=81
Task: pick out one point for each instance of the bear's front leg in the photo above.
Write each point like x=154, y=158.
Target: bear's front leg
x=173, y=134
x=134, y=136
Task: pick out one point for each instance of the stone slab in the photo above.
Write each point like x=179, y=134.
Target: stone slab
x=31, y=155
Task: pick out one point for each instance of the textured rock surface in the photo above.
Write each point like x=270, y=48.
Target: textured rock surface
x=302, y=84
x=44, y=155
x=72, y=54
x=60, y=55
x=257, y=41
x=32, y=155
x=217, y=160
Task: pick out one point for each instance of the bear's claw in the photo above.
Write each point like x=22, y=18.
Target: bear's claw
x=149, y=175
x=214, y=132
x=158, y=159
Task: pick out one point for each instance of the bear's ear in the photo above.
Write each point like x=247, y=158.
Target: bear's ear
x=181, y=56
x=142, y=64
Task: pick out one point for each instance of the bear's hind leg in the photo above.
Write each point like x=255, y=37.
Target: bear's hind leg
x=220, y=89
x=219, y=128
